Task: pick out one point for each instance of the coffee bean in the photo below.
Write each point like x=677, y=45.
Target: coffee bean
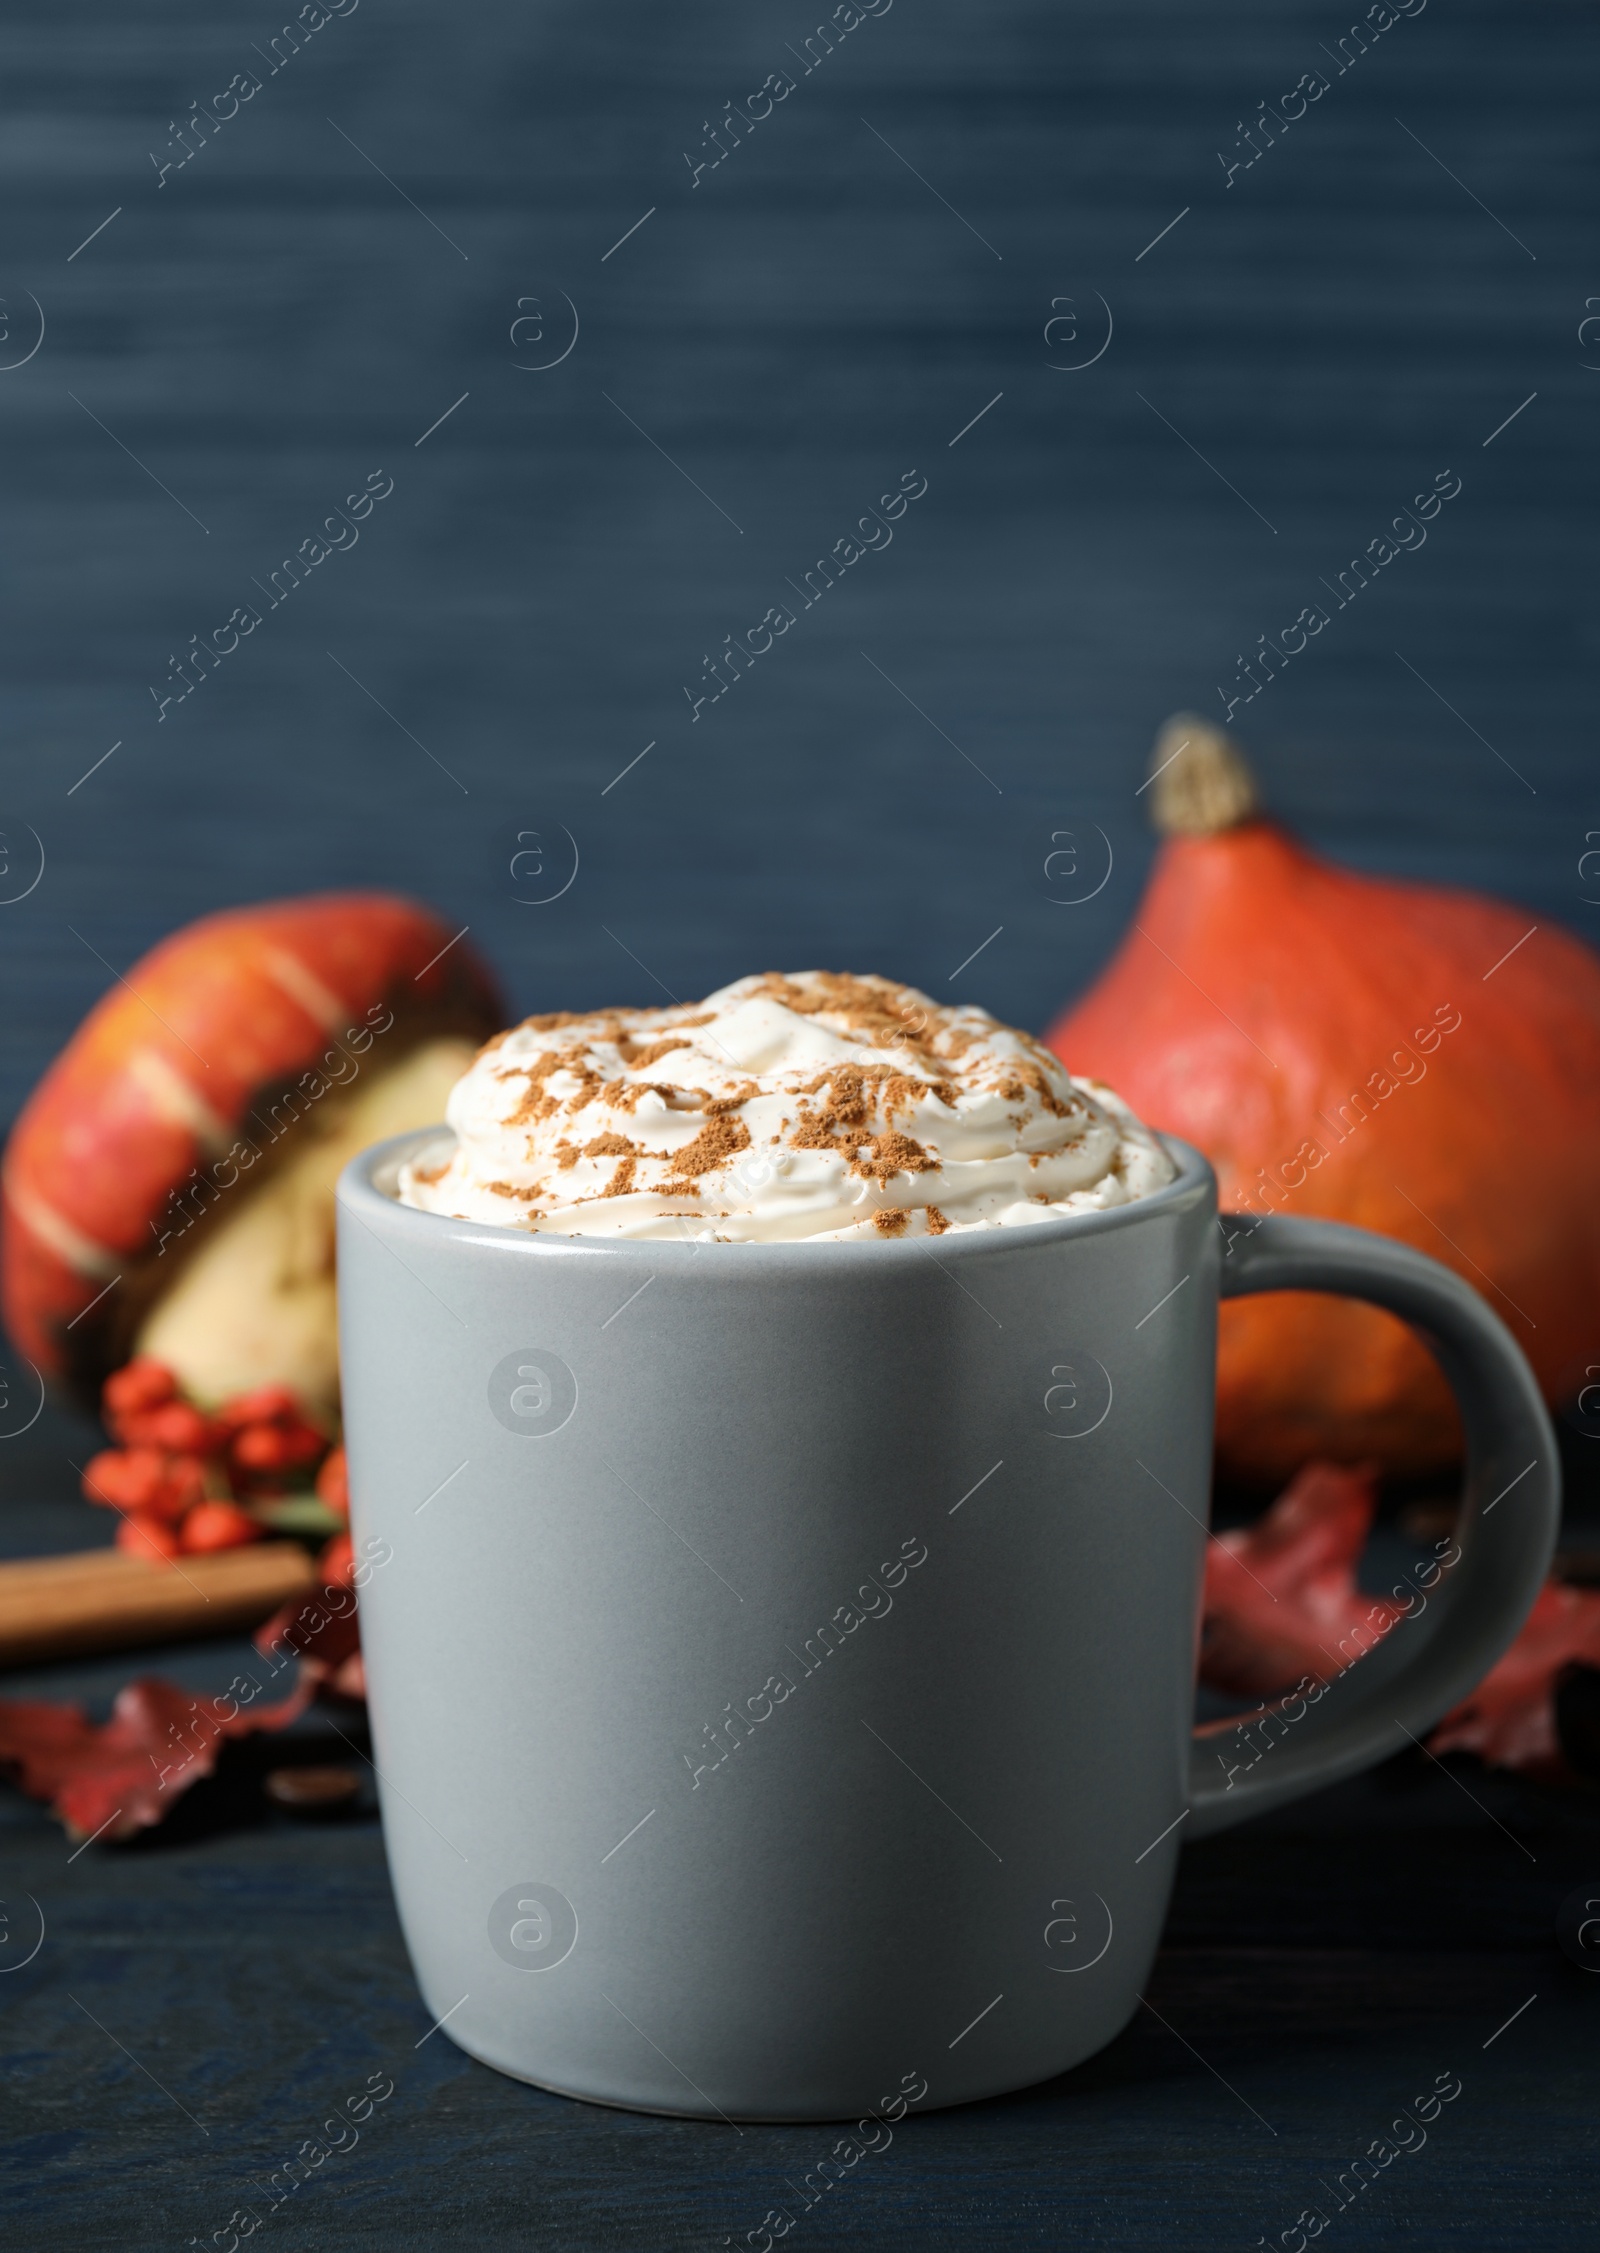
x=313, y=1791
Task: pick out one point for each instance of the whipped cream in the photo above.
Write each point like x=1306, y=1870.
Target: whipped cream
x=817, y=1106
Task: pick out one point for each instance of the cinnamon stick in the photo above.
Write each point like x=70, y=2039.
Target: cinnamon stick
x=105, y=1599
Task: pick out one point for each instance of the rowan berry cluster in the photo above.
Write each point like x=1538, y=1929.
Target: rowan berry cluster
x=185, y=1480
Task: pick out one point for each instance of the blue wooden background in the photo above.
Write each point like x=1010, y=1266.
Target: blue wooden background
x=413, y=209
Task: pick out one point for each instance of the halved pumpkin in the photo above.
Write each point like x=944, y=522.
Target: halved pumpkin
x=168, y=1187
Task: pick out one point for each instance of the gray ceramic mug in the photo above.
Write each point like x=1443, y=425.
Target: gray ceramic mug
x=782, y=1655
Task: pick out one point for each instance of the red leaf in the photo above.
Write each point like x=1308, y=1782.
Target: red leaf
x=349, y=1677
x=321, y=1627
x=125, y=1774
x=1509, y=1720
x=337, y=1562
x=1281, y=1600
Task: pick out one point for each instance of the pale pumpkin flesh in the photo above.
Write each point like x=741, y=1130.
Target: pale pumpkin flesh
x=256, y=1303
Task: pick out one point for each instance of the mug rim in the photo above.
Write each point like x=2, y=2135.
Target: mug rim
x=357, y=1188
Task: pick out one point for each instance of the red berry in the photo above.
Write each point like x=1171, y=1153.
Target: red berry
x=267, y=1450
x=183, y=1487
x=125, y=1478
x=217, y=1525
x=302, y=1446
x=175, y=1426
x=333, y=1483
x=263, y=1406
x=102, y=1478
x=148, y=1538
x=259, y=1447
x=144, y=1383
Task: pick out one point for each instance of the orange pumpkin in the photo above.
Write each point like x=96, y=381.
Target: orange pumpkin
x=1421, y=1062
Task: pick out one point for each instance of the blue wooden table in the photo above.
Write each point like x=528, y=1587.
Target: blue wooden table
x=631, y=375
x=204, y=2001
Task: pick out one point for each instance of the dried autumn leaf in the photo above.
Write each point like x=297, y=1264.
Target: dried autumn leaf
x=1510, y=1720
x=1281, y=1599
x=323, y=1629
x=1281, y=1602
x=120, y=1776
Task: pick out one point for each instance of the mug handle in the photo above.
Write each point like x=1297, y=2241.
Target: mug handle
x=1424, y=1665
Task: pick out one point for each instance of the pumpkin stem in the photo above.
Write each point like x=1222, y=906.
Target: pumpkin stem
x=1202, y=783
